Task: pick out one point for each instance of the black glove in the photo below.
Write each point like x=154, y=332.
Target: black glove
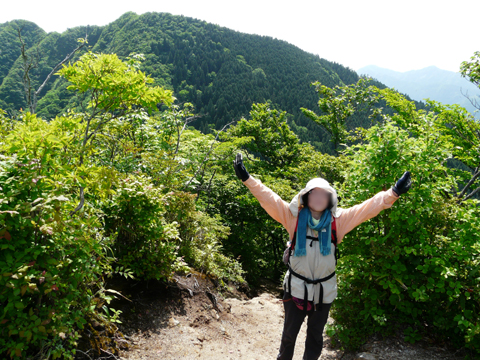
x=240, y=170
x=403, y=184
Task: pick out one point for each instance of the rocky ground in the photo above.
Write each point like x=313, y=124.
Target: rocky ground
x=190, y=319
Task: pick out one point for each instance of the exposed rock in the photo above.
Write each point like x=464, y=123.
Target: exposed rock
x=173, y=322
x=366, y=356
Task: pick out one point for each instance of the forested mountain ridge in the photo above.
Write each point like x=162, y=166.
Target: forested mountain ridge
x=221, y=71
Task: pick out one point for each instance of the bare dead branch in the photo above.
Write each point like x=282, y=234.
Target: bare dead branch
x=82, y=201
x=474, y=102
x=207, y=154
x=30, y=63
x=180, y=132
x=84, y=353
x=67, y=58
x=470, y=195
x=476, y=174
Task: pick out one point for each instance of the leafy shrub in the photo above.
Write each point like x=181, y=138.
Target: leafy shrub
x=55, y=254
x=200, y=238
x=49, y=262
x=416, y=263
x=156, y=234
x=144, y=241
x=6, y=125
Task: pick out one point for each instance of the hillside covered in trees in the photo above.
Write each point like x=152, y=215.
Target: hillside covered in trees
x=220, y=71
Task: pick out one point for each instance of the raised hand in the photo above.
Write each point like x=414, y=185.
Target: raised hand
x=403, y=184
x=240, y=170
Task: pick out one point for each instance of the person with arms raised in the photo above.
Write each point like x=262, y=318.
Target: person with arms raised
x=315, y=224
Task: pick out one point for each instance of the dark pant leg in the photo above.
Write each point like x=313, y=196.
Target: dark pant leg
x=315, y=323
x=293, y=322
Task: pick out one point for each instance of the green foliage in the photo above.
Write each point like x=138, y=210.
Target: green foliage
x=114, y=84
x=471, y=69
x=200, y=237
x=417, y=262
x=147, y=245
x=271, y=137
x=53, y=260
x=462, y=131
x=339, y=104
x=456, y=128
x=6, y=125
x=50, y=264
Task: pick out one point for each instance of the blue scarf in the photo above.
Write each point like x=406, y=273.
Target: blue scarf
x=324, y=237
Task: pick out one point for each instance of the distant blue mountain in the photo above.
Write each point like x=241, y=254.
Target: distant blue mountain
x=430, y=82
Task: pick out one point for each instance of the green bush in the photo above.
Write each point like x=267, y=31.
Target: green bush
x=417, y=263
x=50, y=263
x=200, y=240
x=75, y=204
x=156, y=234
x=6, y=125
x=143, y=241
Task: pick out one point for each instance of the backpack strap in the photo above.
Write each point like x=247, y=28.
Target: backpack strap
x=334, y=239
x=292, y=246
x=294, y=240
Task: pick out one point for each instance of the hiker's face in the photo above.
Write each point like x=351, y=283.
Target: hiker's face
x=318, y=199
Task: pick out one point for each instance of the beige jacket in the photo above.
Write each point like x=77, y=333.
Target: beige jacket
x=315, y=265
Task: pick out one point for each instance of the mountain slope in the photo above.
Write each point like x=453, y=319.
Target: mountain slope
x=219, y=70
x=430, y=82
x=46, y=50
x=11, y=46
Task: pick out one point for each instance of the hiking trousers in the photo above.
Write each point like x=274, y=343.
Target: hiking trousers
x=294, y=317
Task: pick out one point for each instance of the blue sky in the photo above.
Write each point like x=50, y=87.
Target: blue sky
x=398, y=35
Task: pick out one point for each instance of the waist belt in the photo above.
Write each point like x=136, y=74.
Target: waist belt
x=308, y=281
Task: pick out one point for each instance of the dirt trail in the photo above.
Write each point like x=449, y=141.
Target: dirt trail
x=192, y=321
x=241, y=328
x=252, y=330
